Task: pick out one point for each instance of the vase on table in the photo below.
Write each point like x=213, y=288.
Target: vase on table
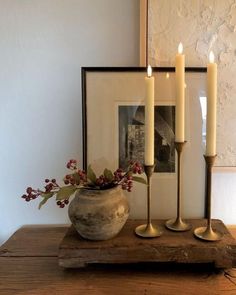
x=99, y=214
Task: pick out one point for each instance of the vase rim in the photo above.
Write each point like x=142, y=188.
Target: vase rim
x=117, y=187
x=100, y=190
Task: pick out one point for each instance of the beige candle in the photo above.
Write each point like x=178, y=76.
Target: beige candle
x=211, y=106
x=149, y=118
x=180, y=95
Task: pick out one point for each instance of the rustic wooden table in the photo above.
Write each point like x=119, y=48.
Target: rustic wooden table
x=172, y=247
x=29, y=265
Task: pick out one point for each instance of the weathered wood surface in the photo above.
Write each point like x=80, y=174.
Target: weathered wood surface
x=75, y=251
x=22, y=274
x=30, y=241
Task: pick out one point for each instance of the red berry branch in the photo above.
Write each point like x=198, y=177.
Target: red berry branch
x=78, y=179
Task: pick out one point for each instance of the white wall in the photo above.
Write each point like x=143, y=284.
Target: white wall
x=43, y=45
x=224, y=195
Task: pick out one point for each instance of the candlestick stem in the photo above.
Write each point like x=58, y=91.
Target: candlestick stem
x=207, y=233
x=148, y=196
x=148, y=230
x=179, y=148
x=178, y=224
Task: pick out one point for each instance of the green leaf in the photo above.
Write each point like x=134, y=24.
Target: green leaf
x=45, y=197
x=139, y=179
x=108, y=174
x=91, y=175
x=65, y=192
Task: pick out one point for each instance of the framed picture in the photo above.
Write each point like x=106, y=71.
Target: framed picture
x=113, y=128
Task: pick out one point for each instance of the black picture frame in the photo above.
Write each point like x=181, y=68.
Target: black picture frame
x=87, y=71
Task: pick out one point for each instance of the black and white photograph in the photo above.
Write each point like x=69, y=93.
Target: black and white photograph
x=131, y=136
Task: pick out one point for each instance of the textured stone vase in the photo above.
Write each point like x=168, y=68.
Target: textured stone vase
x=99, y=214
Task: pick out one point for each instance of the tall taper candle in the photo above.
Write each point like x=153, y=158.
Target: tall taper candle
x=211, y=106
x=180, y=95
x=149, y=118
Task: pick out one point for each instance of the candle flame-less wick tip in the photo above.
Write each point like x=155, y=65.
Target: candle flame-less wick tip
x=149, y=71
x=180, y=48
x=211, y=57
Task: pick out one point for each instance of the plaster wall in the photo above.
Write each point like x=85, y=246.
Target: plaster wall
x=202, y=26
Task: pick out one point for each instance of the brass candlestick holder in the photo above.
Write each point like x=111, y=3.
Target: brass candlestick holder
x=178, y=224
x=207, y=233
x=148, y=230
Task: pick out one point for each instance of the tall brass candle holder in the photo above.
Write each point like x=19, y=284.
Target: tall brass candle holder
x=178, y=224
x=207, y=233
x=148, y=230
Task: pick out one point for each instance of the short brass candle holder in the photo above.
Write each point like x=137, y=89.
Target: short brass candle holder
x=178, y=224
x=207, y=233
x=148, y=230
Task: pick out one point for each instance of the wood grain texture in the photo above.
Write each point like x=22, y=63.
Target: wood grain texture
x=75, y=251
x=22, y=274
x=232, y=230
x=34, y=241
x=43, y=276
x=143, y=33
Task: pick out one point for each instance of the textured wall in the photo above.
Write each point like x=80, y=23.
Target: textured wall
x=201, y=25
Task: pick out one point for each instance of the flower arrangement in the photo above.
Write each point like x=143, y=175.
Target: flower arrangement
x=79, y=179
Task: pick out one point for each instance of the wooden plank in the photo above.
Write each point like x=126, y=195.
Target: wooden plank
x=75, y=251
x=143, y=33
x=232, y=230
x=224, y=169
x=34, y=240
x=43, y=240
x=42, y=275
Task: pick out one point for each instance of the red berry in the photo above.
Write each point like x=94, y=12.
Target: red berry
x=66, y=202
x=53, y=180
x=66, y=181
x=29, y=190
x=62, y=205
x=27, y=199
x=24, y=196
x=47, y=180
x=72, y=181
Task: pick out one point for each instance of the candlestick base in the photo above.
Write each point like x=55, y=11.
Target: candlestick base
x=178, y=225
x=148, y=231
x=207, y=234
